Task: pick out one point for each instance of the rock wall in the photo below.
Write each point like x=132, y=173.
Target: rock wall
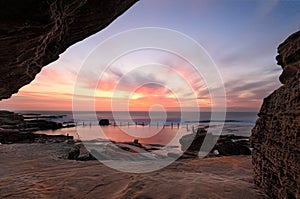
x=276, y=135
x=34, y=32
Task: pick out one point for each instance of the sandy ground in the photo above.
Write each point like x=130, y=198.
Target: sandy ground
x=37, y=171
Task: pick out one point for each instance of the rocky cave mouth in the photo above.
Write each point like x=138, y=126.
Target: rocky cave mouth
x=33, y=34
x=45, y=29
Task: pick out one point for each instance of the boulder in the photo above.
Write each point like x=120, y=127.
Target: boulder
x=231, y=148
x=74, y=153
x=225, y=145
x=104, y=122
x=192, y=142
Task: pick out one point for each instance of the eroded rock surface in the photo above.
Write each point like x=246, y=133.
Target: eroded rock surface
x=276, y=135
x=289, y=57
x=34, y=32
x=40, y=171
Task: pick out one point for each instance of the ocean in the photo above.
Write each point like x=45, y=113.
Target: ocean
x=143, y=116
x=154, y=128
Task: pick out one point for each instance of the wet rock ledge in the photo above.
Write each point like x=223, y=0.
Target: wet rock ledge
x=14, y=129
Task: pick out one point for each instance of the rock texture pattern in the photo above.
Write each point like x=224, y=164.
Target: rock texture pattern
x=276, y=135
x=34, y=32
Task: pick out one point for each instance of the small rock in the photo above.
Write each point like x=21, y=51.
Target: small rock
x=104, y=122
x=74, y=153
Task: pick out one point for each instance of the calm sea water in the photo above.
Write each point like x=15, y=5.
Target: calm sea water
x=158, y=128
x=142, y=116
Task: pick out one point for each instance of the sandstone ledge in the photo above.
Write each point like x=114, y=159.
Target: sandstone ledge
x=39, y=171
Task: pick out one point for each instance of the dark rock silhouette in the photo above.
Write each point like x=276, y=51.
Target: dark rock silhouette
x=9, y=136
x=34, y=32
x=231, y=148
x=192, y=143
x=14, y=129
x=104, y=122
x=215, y=146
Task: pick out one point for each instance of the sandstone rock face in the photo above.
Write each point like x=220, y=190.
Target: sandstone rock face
x=289, y=57
x=34, y=32
x=276, y=135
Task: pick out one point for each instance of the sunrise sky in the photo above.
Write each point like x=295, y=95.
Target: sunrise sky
x=240, y=36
